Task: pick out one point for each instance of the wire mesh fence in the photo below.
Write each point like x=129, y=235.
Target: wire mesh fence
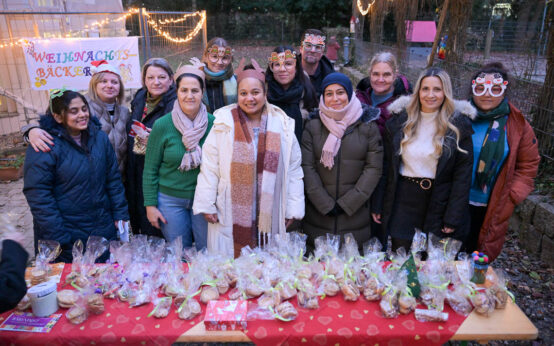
x=175, y=36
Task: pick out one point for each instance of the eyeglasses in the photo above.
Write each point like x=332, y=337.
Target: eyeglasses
x=215, y=58
x=287, y=64
x=495, y=90
x=314, y=47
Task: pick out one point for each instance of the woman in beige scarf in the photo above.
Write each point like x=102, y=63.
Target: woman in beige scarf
x=172, y=163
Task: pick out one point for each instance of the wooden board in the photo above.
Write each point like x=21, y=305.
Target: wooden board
x=507, y=324
x=198, y=333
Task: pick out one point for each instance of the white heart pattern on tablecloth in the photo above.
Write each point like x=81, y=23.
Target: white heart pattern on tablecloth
x=372, y=330
x=410, y=325
x=355, y=314
x=345, y=332
x=320, y=339
x=108, y=338
x=325, y=320
x=260, y=333
x=139, y=328
x=433, y=335
x=299, y=327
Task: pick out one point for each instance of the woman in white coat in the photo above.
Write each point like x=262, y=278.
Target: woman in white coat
x=250, y=183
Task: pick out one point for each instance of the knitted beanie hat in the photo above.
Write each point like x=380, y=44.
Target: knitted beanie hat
x=338, y=78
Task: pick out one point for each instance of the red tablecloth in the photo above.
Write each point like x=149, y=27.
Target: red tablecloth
x=119, y=324
x=335, y=322
x=352, y=323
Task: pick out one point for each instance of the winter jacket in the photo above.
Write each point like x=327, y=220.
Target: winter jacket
x=513, y=184
x=448, y=205
x=213, y=189
x=135, y=163
x=363, y=93
x=74, y=191
x=116, y=128
x=12, y=274
x=324, y=67
x=349, y=183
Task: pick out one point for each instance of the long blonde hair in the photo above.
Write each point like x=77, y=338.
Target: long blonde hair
x=442, y=119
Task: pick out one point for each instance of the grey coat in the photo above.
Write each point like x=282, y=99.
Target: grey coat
x=116, y=129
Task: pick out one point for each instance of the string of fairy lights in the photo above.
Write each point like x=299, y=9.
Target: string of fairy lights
x=361, y=9
x=157, y=25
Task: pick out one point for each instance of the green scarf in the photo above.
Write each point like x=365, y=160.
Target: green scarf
x=151, y=103
x=492, y=149
x=229, y=86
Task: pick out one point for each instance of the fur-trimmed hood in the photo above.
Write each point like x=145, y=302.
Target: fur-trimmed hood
x=461, y=106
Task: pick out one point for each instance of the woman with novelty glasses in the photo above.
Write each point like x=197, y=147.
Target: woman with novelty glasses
x=505, y=162
x=221, y=83
x=288, y=87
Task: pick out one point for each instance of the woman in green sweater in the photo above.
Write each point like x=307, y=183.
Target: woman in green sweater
x=172, y=163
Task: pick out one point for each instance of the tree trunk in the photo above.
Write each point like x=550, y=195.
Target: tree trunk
x=543, y=121
x=377, y=16
x=528, y=17
x=459, y=13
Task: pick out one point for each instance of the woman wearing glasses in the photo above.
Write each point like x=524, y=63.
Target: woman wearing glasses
x=505, y=162
x=221, y=83
x=288, y=87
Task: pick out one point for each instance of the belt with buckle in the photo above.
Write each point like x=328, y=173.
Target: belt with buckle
x=424, y=183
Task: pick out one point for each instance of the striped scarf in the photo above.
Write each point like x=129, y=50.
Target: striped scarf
x=242, y=183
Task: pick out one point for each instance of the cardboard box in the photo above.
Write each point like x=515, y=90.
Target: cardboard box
x=226, y=315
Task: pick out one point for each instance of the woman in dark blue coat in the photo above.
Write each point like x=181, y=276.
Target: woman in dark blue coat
x=75, y=190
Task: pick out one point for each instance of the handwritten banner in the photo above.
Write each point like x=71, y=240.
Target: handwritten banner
x=59, y=62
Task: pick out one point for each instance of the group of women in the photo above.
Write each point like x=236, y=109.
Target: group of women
x=234, y=156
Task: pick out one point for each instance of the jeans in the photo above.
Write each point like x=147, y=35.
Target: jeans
x=182, y=222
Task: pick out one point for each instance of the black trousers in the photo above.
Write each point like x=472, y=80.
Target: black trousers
x=477, y=216
x=408, y=213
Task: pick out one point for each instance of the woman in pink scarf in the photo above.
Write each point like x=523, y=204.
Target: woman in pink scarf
x=342, y=157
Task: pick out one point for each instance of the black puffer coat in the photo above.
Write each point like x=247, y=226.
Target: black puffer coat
x=450, y=192
x=135, y=163
x=74, y=191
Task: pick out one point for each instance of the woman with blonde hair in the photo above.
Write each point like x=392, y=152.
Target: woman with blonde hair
x=430, y=157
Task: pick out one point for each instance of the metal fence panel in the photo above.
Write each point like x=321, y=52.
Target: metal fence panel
x=176, y=36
